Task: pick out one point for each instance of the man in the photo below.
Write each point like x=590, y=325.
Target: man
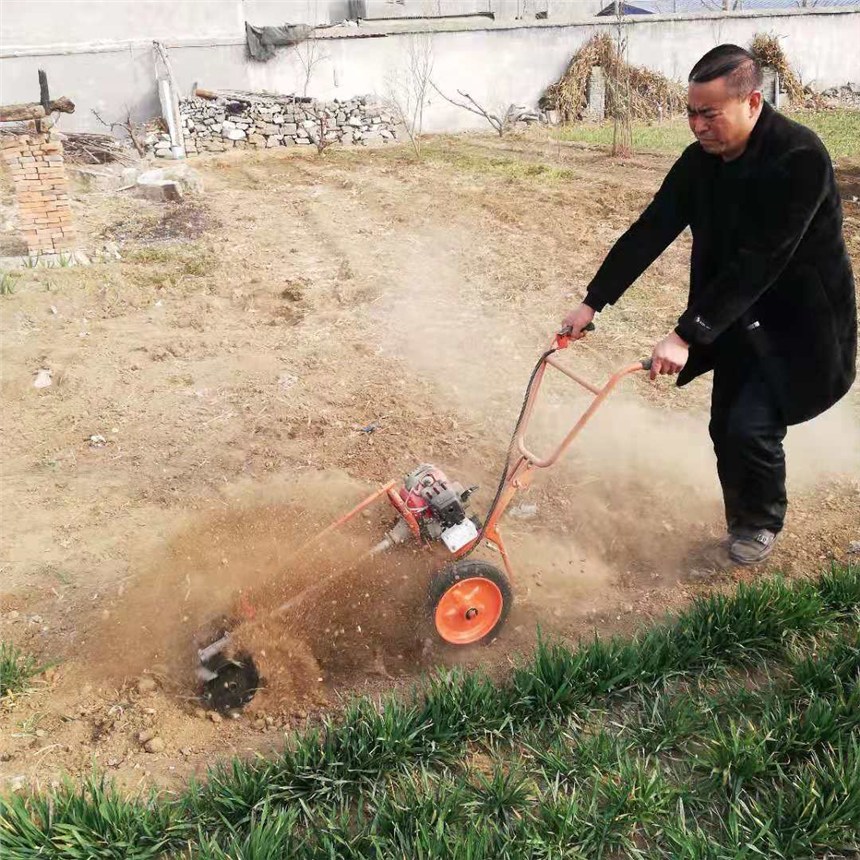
x=771, y=307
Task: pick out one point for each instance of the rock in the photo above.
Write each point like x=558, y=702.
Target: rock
x=43, y=378
x=188, y=179
x=146, y=685
x=161, y=190
x=146, y=735
x=289, y=128
x=110, y=250
x=215, y=717
x=524, y=511
x=272, y=142
x=854, y=546
x=234, y=134
x=156, y=745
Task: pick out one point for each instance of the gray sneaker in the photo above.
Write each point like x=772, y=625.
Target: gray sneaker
x=751, y=546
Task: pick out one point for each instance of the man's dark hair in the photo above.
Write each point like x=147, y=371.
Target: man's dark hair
x=737, y=65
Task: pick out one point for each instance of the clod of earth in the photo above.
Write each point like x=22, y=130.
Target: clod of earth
x=156, y=745
x=146, y=685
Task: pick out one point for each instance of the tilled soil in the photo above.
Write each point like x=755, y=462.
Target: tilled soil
x=264, y=354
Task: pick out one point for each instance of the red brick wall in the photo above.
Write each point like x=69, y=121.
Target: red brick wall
x=35, y=162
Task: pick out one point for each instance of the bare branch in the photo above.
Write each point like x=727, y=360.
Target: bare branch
x=319, y=136
x=407, y=93
x=501, y=124
x=128, y=126
x=309, y=56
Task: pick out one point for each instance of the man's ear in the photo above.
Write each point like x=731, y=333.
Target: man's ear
x=755, y=100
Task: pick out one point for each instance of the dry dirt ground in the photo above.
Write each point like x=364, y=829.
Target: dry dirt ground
x=262, y=354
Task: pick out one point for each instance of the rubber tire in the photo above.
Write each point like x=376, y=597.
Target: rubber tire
x=456, y=572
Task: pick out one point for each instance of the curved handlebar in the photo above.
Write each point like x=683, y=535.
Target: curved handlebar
x=600, y=395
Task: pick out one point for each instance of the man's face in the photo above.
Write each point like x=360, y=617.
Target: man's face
x=722, y=122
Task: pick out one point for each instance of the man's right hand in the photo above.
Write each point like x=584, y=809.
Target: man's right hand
x=577, y=320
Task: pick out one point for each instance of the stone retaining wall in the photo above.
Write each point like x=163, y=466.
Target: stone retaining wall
x=265, y=122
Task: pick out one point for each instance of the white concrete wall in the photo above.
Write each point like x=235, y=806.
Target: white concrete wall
x=824, y=51
x=496, y=63
x=77, y=22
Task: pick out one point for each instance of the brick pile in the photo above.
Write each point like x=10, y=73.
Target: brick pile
x=35, y=162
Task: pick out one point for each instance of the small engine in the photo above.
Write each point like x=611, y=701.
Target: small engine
x=438, y=506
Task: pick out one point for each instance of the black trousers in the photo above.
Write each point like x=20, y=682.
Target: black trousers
x=747, y=429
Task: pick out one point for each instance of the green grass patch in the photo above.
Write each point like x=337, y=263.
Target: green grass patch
x=732, y=730
x=839, y=130
x=7, y=283
x=16, y=669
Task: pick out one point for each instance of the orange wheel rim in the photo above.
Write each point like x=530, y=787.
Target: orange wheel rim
x=469, y=610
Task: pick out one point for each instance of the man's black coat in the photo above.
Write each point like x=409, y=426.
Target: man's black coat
x=767, y=249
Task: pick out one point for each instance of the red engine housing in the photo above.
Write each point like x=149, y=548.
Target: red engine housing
x=421, y=487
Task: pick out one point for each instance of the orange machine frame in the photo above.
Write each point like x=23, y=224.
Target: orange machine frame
x=519, y=473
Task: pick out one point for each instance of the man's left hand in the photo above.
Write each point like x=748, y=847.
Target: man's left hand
x=669, y=356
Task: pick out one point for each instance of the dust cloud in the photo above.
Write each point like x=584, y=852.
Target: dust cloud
x=638, y=487
x=234, y=568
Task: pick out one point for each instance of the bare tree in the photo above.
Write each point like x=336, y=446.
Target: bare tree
x=319, y=135
x=130, y=127
x=501, y=122
x=310, y=54
x=407, y=87
x=619, y=82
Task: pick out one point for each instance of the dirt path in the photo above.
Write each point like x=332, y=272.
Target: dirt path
x=231, y=363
